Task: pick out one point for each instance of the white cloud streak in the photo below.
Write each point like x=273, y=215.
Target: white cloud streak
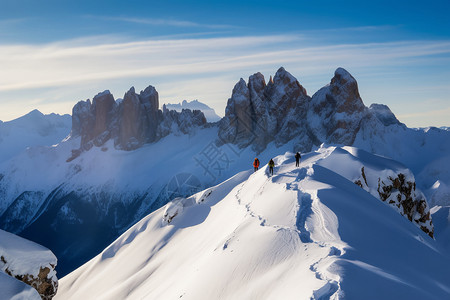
x=35, y=66
x=165, y=22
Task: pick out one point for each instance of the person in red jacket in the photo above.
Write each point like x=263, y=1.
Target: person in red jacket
x=256, y=164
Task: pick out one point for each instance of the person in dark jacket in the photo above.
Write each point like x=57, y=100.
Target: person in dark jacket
x=297, y=159
x=256, y=164
x=271, y=165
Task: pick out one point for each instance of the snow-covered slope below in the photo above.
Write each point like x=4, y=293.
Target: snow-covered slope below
x=441, y=220
x=14, y=289
x=307, y=232
x=28, y=262
x=32, y=129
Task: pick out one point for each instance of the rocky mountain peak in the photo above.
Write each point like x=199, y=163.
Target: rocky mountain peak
x=256, y=113
x=256, y=82
x=103, y=106
x=240, y=91
x=336, y=110
x=384, y=114
x=283, y=77
x=344, y=88
x=150, y=98
x=131, y=122
x=131, y=91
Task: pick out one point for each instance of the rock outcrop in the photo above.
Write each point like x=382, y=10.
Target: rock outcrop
x=402, y=193
x=337, y=110
x=29, y=263
x=131, y=122
x=399, y=191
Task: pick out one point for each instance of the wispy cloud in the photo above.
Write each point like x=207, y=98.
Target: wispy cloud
x=164, y=22
x=31, y=66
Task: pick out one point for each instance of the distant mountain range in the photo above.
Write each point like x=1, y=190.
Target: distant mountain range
x=209, y=113
x=33, y=129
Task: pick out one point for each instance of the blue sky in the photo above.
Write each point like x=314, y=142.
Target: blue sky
x=55, y=53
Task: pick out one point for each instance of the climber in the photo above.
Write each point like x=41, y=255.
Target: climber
x=256, y=164
x=271, y=165
x=297, y=159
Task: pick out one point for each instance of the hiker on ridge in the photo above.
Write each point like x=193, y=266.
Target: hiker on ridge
x=271, y=165
x=256, y=164
x=297, y=159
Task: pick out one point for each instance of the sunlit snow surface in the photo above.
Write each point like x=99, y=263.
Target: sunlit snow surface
x=306, y=232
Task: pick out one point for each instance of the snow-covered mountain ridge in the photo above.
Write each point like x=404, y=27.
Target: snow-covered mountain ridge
x=304, y=233
x=106, y=187
x=33, y=129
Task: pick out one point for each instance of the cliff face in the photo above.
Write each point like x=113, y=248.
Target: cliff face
x=131, y=122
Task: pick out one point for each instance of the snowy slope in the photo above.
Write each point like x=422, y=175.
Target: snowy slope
x=210, y=114
x=100, y=194
x=32, y=129
x=307, y=232
x=14, y=289
x=441, y=220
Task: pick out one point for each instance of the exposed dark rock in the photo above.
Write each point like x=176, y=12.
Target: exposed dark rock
x=363, y=174
x=358, y=183
x=45, y=286
x=402, y=194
